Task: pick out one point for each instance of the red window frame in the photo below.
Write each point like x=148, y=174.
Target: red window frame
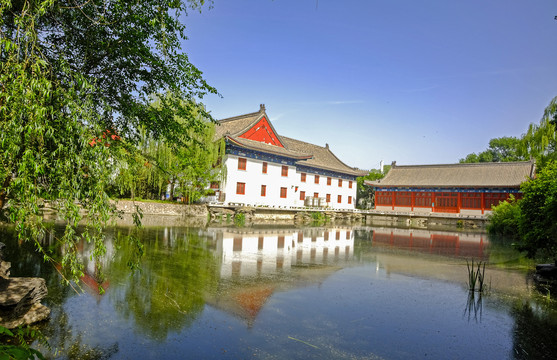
x=384, y=198
x=316, y=179
x=423, y=199
x=263, y=190
x=303, y=177
x=315, y=194
x=283, y=192
x=403, y=198
x=328, y=196
x=350, y=184
x=302, y=195
x=350, y=199
x=339, y=199
x=284, y=171
x=242, y=163
x=339, y=182
x=264, y=168
x=240, y=188
x=328, y=181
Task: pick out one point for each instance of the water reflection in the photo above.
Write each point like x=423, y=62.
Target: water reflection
x=471, y=245
x=255, y=253
x=353, y=292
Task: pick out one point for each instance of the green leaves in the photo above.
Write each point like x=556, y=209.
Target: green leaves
x=538, y=211
x=73, y=76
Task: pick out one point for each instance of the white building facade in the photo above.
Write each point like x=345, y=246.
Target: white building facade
x=265, y=169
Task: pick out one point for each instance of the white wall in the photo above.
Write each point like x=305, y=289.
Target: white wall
x=253, y=177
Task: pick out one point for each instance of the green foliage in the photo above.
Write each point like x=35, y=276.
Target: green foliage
x=75, y=89
x=538, y=214
x=239, y=219
x=146, y=169
x=504, y=219
x=502, y=149
x=366, y=194
x=540, y=140
x=15, y=346
x=318, y=216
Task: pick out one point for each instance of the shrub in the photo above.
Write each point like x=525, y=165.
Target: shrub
x=505, y=218
x=538, y=214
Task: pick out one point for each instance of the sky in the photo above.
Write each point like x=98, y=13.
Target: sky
x=411, y=81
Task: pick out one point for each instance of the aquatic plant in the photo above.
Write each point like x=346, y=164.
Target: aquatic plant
x=476, y=276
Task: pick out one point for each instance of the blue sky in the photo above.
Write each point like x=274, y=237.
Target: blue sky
x=416, y=81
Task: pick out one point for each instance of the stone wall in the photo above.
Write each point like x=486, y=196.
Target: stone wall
x=155, y=208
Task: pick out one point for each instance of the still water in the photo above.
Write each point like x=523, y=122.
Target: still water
x=295, y=293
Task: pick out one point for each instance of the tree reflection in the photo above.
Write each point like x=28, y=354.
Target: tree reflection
x=169, y=291
x=534, y=333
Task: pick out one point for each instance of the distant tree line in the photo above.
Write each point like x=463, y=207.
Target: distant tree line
x=539, y=143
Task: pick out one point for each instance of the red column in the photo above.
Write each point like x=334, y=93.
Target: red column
x=433, y=201
x=393, y=200
x=459, y=201
x=483, y=203
x=412, y=201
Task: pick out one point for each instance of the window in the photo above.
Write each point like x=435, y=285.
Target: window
x=350, y=184
x=328, y=181
x=264, y=168
x=316, y=195
x=303, y=177
x=350, y=199
x=215, y=185
x=339, y=199
x=241, y=188
x=284, y=170
x=328, y=198
x=242, y=163
x=316, y=180
x=263, y=190
x=302, y=195
x=283, y=192
x=339, y=182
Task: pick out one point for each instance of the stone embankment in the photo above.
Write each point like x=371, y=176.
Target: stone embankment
x=20, y=298
x=177, y=214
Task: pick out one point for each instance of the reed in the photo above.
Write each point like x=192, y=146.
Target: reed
x=476, y=276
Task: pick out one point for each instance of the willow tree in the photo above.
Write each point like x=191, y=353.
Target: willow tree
x=188, y=167
x=70, y=75
x=540, y=141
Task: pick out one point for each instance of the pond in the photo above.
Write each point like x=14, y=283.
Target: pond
x=332, y=292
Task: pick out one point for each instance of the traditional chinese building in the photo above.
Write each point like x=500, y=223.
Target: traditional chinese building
x=266, y=169
x=454, y=188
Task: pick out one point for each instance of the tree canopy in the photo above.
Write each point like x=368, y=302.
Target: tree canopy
x=71, y=73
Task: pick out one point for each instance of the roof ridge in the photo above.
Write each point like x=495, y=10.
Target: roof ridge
x=238, y=117
x=305, y=142
x=499, y=163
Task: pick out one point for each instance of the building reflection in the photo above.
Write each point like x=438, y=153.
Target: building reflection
x=265, y=252
x=454, y=244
